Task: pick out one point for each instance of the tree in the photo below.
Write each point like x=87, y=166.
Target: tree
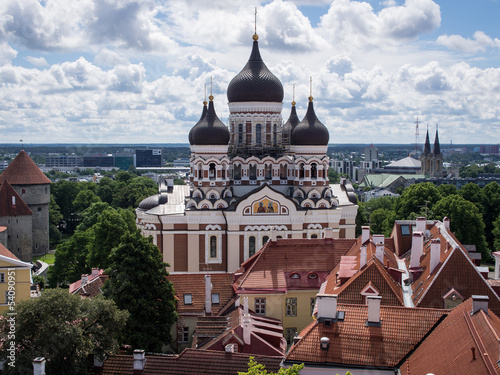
x=64, y=329
x=496, y=234
x=55, y=219
x=415, y=198
x=137, y=282
x=382, y=221
x=446, y=190
x=84, y=200
x=466, y=221
x=491, y=209
x=131, y=193
x=473, y=193
x=255, y=368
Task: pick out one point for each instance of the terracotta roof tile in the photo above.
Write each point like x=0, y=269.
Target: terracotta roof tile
x=23, y=171
x=194, y=284
x=7, y=208
x=278, y=259
x=458, y=333
x=352, y=342
x=190, y=361
x=6, y=253
x=77, y=285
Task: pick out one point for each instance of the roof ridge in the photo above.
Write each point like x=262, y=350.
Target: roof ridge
x=390, y=280
x=247, y=272
x=479, y=343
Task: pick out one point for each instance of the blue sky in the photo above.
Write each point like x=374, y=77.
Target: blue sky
x=133, y=71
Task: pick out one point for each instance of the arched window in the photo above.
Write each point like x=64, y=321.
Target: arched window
x=314, y=236
x=268, y=171
x=23, y=191
x=275, y=135
x=314, y=170
x=258, y=134
x=240, y=134
x=213, y=247
x=200, y=172
x=253, y=171
x=283, y=170
x=251, y=246
x=264, y=240
x=211, y=171
x=301, y=170
x=237, y=172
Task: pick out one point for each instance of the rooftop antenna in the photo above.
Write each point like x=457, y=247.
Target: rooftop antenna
x=417, y=133
x=21, y=140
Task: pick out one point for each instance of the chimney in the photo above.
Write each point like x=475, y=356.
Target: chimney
x=95, y=272
x=327, y=306
x=329, y=233
x=208, y=294
x=417, y=248
x=365, y=233
x=245, y=305
x=324, y=343
x=421, y=224
x=39, y=366
x=373, y=310
x=479, y=303
x=139, y=360
x=98, y=362
x=85, y=279
x=362, y=257
x=446, y=222
x=435, y=253
x=230, y=348
x=379, y=241
x=296, y=339
x=273, y=234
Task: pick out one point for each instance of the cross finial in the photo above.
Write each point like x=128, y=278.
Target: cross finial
x=310, y=88
x=211, y=97
x=255, y=23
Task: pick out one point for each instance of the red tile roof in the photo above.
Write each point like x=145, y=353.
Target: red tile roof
x=353, y=343
x=190, y=361
x=448, y=349
x=194, y=284
x=93, y=286
x=23, y=171
x=6, y=253
x=270, y=267
x=7, y=208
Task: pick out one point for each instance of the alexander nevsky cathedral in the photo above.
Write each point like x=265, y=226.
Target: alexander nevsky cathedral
x=253, y=179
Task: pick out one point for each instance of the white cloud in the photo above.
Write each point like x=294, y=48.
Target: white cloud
x=107, y=57
x=479, y=42
x=37, y=61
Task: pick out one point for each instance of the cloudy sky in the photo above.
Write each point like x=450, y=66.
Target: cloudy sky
x=134, y=71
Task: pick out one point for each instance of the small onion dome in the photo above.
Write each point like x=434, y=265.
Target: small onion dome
x=255, y=83
x=310, y=131
x=153, y=201
x=203, y=113
x=292, y=121
x=209, y=130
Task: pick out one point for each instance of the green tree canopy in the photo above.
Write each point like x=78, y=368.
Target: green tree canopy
x=491, y=209
x=446, y=190
x=496, y=234
x=131, y=193
x=414, y=199
x=64, y=329
x=137, y=282
x=84, y=200
x=255, y=368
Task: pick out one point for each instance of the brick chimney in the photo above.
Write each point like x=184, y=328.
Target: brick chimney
x=417, y=248
x=446, y=222
x=85, y=279
x=362, y=257
x=139, y=360
x=365, y=233
x=421, y=224
x=373, y=310
x=479, y=303
x=208, y=294
x=327, y=306
x=39, y=366
x=435, y=253
x=95, y=272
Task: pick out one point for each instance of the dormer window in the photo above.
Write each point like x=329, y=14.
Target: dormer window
x=215, y=298
x=312, y=275
x=294, y=275
x=188, y=299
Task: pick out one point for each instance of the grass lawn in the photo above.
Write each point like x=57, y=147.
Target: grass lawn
x=47, y=258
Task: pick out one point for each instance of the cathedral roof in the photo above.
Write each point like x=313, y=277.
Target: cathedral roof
x=255, y=83
x=23, y=171
x=203, y=113
x=209, y=130
x=310, y=131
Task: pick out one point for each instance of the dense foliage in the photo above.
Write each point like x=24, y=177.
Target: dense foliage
x=255, y=368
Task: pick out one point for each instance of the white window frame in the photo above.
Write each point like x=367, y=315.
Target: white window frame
x=188, y=299
x=218, y=235
x=291, y=306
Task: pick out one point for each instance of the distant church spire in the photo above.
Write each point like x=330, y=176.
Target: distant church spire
x=437, y=147
x=427, y=146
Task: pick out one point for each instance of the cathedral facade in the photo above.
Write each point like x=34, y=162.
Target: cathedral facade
x=250, y=181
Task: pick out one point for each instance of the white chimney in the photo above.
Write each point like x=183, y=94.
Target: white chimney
x=208, y=294
x=327, y=306
x=479, y=303
x=39, y=366
x=139, y=359
x=365, y=233
x=230, y=348
x=85, y=279
x=417, y=248
x=273, y=234
x=373, y=309
x=362, y=257
x=379, y=241
x=435, y=253
x=245, y=305
x=421, y=224
x=324, y=343
x=329, y=233
x=95, y=272
x=446, y=222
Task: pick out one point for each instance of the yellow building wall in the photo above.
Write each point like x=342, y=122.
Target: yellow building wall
x=18, y=278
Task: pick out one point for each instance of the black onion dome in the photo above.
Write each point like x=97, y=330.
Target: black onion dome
x=310, y=131
x=209, y=130
x=292, y=121
x=203, y=113
x=255, y=83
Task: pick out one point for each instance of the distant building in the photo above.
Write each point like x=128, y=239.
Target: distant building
x=124, y=161
x=488, y=149
x=432, y=162
x=371, y=153
x=63, y=161
x=148, y=158
x=181, y=162
x=98, y=160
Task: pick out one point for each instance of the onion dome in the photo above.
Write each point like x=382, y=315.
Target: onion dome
x=209, y=130
x=255, y=83
x=292, y=121
x=310, y=131
x=203, y=113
